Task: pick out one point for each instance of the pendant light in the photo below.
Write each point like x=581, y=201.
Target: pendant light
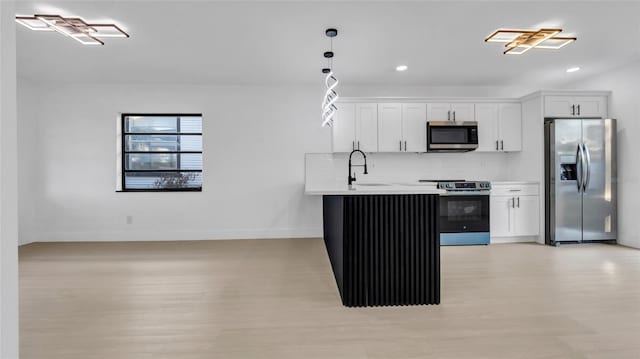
x=330, y=81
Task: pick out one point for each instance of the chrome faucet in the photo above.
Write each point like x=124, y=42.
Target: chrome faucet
x=353, y=178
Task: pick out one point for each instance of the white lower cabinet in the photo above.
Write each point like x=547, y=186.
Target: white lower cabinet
x=514, y=212
x=526, y=220
x=500, y=215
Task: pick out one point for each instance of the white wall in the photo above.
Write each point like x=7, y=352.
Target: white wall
x=625, y=107
x=255, y=138
x=8, y=185
x=435, y=91
x=27, y=167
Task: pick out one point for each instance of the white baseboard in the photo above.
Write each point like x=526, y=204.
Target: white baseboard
x=520, y=239
x=174, y=235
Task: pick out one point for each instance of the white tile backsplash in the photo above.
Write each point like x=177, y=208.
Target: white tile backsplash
x=409, y=167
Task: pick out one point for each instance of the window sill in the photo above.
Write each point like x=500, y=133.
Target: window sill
x=159, y=190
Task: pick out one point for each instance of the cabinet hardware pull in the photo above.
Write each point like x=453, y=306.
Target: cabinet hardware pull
x=502, y=145
x=513, y=202
x=449, y=115
x=573, y=110
x=358, y=144
x=405, y=146
x=515, y=190
x=454, y=116
x=353, y=145
x=400, y=146
x=578, y=110
x=518, y=202
x=497, y=148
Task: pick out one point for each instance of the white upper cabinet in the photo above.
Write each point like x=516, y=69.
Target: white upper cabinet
x=591, y=106
x=462, y=111
x=499, y=127
x=487, y=118
x=344, y=128
x=575, y=106
x=438, y=112
x=450, y=112
x=510, y=127
x=355, y=126
x=367, y=127
x=390, y=127
x=402, y=127
x=414, y=127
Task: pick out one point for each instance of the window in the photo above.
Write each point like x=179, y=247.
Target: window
x=161, y=152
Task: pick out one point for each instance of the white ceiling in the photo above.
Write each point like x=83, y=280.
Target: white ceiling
x=265, y=42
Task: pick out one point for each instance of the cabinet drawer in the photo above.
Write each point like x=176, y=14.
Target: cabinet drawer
x=514, y=190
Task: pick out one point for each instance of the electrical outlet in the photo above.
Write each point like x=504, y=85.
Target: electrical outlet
x=129, y=219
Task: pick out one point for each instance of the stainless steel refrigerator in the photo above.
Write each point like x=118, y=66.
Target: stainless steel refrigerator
x=580, y=180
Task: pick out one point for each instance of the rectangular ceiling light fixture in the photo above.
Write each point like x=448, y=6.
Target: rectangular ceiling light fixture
x=517, y=42
x=73, y=27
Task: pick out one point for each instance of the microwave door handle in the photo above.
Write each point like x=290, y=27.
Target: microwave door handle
x=579, y=168
x=587, y=157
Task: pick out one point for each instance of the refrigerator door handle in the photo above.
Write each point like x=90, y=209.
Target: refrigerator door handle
x=579, y=167
x=587, y=157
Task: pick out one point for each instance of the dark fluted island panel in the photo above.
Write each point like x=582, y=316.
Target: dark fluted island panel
x=384, y=249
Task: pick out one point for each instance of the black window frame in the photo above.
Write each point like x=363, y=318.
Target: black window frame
x=124, y=151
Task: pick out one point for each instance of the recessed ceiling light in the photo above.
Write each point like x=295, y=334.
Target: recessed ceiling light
x=402, y=68
x=573, y=69
x=517, y=42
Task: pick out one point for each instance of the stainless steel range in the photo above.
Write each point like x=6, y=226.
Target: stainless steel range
x=464, y=212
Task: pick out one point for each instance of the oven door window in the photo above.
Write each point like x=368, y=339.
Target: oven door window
x=460, y=213
x=449, y=135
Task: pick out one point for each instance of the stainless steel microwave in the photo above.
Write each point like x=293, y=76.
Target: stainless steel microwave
x=451, y=136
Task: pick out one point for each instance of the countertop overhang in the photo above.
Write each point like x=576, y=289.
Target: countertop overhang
x=373, y=188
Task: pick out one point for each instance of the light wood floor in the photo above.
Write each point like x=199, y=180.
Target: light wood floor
x=277, y=299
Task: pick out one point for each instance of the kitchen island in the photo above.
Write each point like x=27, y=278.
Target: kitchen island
x=383, y=242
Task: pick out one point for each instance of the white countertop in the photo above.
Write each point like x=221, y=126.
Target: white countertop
x=341, y=188
x=513, y=183
x=374, y=188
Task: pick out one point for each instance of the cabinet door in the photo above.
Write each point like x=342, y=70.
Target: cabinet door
x=487, y=117
x=438, y=111
x=526, y=216
x=591, y=106
x=510, y=127
x=344, y=128
x=390, y=127
x=367, y=127
x=558, y=106
x=463, y=112
x=414, y=127
x=500, y=213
